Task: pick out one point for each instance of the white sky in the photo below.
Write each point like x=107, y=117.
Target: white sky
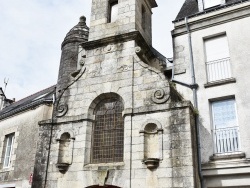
x=32, y=31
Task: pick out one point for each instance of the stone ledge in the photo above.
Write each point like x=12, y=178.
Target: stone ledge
x=228, y=167
x=229, y=156
x=158, y=108
x=218, y=83
x=104, y=166
x=223, y=164
x=112, y=39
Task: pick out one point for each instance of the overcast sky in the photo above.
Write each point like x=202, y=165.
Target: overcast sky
x=32, y=31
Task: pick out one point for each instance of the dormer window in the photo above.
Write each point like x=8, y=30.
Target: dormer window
x=211, y=3
x=113, y=11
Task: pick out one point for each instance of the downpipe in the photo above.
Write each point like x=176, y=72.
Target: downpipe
x=194, y=89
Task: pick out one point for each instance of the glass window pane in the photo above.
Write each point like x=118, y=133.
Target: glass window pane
x=108, y=132
x=224, y=114
x=9, y=144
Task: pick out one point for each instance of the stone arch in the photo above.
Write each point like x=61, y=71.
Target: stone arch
x=65, y=145
x=61, y=132
x=91, y=116
x=151, y=121
x=101, y=97
x=107, y=141
x=151, y=134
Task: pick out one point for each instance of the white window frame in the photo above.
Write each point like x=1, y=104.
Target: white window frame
x=211, y=3
x=226, y=140
x=218, y=65
x=7, y=156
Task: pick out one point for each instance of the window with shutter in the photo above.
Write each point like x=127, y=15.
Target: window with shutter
x=217, y=58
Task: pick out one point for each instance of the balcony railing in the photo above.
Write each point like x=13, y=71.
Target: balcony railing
x=218, y=69
x=226, y=140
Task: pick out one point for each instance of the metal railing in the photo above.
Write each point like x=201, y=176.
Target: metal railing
x=218, y=69
x=226, y=140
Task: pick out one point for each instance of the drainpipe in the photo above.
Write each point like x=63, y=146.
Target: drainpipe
x=194, y=89
x=50, y=139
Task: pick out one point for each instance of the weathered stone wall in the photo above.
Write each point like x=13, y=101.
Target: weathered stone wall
x=25, y=128
x=120, y=62
x=129, y=19
x=112, y=69
x=68, y=63
x=177, y=155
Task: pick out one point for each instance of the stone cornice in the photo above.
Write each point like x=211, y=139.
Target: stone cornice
x=127, y=112
x=213, y=18
x=134, y=35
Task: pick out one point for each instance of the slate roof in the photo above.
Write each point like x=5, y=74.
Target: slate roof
x=190, y=8
x=42, y=97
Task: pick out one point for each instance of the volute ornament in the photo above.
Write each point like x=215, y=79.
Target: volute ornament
x=159, y=96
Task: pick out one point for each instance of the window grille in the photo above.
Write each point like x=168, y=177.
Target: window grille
x=108, y=132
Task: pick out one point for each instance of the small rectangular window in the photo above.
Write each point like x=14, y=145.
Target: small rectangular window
x=113, y=11
x=9, y=139
x=225, y=126
x=217, y=58
x=211, y=3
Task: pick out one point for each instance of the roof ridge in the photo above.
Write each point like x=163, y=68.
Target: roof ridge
x=35, y=93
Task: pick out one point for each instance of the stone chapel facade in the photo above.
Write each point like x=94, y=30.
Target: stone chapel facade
x=117, y=120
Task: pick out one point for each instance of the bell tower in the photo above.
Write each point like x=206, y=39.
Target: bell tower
x=115, y=17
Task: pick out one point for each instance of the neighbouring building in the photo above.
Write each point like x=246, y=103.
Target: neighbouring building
x=117, y=120
x=213, y=35
x=19, y=135
x=4, y=101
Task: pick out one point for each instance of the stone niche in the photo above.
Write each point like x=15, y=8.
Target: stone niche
x=152, y=134
x=65, y=152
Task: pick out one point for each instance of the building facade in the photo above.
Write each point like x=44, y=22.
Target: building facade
x=211, y=40
x=19, y=135
x=117, y=120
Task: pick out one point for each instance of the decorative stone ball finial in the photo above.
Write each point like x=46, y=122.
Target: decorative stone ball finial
x=82, y=19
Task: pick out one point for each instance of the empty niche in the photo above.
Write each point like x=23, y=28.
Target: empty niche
x=152, y=145
x=65, y=152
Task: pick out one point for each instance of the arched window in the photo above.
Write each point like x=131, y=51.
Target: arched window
x=108, y=132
